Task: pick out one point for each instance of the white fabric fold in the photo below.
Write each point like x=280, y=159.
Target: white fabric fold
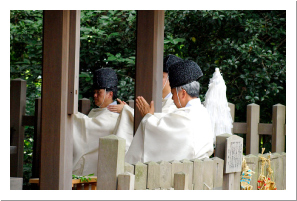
x=86, y=133
x=183, y=134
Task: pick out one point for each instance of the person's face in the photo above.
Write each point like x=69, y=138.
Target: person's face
x=99, y=96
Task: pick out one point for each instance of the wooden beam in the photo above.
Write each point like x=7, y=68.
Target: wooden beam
x=17, y=111
x=239, y=127
x=56, y=124
x=37, y=139
x=149, y=59
x=265, y=129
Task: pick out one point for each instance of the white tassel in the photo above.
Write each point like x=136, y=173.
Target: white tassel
x=217, y=105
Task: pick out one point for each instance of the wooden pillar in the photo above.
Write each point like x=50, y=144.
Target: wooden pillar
x=252, y=135
x=17, y=110
x=37, y=139
x=278, y=128
x=57, y=105
x=149, y=59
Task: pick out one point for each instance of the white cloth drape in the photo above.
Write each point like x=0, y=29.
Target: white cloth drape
x=183, y=134
x=86, y=132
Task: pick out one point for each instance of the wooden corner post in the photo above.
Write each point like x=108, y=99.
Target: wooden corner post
x=56, y=123
x=17, y=111
x=149, y=59
x=252, y=135
x=278, y=128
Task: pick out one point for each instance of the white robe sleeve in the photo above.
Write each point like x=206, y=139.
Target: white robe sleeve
x=168, y=105
x=86, y=133
x=183, y=134
x=124, y=125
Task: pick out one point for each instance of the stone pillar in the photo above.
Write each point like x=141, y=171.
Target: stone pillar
x=111, y=161
x=129, y=168
x=180, y=181
x=218, y=167
x=176, y=166
x=165, y=175
x=126, y=181
x=188, y=169
x=197, y=174
x=140, y=176
x=153, y=175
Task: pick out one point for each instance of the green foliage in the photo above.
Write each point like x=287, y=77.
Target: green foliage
x=247, y=46
x=85, y=178
x=108, y=39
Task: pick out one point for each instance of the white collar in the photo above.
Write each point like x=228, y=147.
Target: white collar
x=193, y=102
x=168, y=96
x=113, y=103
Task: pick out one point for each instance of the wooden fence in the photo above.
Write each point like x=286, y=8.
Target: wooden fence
x=206, y=174
x=18, y=120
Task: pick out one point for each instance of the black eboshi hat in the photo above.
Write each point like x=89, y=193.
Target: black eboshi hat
x=168, y=61
x=105, y=78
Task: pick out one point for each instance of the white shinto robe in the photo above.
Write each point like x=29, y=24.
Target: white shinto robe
x=183, y=134
x=125, y=122
x=86, y=132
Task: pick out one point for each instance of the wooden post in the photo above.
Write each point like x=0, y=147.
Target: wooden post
x=252, y=136
x=165, y=175
x=56, y=124
x=17, y=110
x=140, y=176
x=126, y=181
x=197, y=174
x=283, y=157
x=111, y=161
x=188, y=169
x=37, y=140
x=278, y=128
x=180, y=181
x=176, y=166
x=153, y=175
x=84, y=106
x=129, y=168
x=207, y=174
x=218, y=167
x=149, y=59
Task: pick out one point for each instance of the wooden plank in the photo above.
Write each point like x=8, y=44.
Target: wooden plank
x=239, y=127
x=264, y=129
x=17, y=111
x=126, y=181
x=165, y=175
x=218, y=167
x=252, y=136
x=73, y=62
x=37, y=139
x=140, y=176
x=13, y=150
x=153, y=175
x=28, y=120
x=149, y=59
x=278, y=123
x=84, y=106
x=56, y=125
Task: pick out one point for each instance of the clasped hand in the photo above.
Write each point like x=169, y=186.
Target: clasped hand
x=144, y=107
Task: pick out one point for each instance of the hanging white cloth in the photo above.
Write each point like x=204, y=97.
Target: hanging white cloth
x=183, y=134
x=217, y=106
x=86, y=133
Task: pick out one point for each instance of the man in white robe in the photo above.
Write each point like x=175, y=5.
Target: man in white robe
x=125, y=122
x=99, y=122
x=182, y=134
